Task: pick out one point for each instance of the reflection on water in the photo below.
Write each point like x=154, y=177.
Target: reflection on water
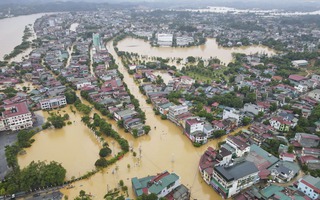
x=209, y=49
x=74, y=146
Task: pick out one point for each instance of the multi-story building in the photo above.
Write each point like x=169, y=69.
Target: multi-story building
x=96, y=41
x=16, y=117
x=54, y=102
x=175, y=111
x=232, y=179
x=310, y=186
x=232, y=113
x=239, y=147
x=194, y=130
x=165, y=39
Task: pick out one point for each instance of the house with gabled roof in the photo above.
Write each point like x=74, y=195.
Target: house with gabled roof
x=310, y=186
x=161, y=185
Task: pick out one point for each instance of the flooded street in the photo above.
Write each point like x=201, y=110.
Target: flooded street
x=165, y=148
x=74, y=146
x=209, y=49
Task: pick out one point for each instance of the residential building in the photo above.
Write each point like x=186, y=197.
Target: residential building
x=315, y=94
x=232, y=179
x=239, y=147
x=206, y=164
x=124, y=114
x=51, y=103
x=310, y=186
x=284, y=171
x=307, y=140
x=232, y=113
x=280, y=124
x=162, y=185
x=297, y=79
x=16, y=117
x=175, y=111
x=194, y=130
x=252, y=108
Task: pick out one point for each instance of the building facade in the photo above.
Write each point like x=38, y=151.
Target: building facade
x=310, y=186
x=51, y=103
x=232, y=179
x=16, y=117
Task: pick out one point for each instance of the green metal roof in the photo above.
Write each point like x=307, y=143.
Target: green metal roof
x=163, y=183
x=271, y=190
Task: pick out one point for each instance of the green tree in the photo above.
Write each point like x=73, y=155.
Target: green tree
x=57, y=121
x=39, y=174
x=148, y=197
x=219, y=133
x=71, y=96
x=246, y=121
x=101, y=162
x=273, y=107
x=290, y=149
x=146, y=129
x=191, y=59
x=105, y=152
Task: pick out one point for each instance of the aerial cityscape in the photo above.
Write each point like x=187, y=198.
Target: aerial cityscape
x=184, y=100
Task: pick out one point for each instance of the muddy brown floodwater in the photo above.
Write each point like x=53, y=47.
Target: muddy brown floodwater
x=207, y=50
x=74, y=146
x=164, y=148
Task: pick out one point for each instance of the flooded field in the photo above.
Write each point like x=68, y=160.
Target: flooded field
x=207, y=50
x=74, y=146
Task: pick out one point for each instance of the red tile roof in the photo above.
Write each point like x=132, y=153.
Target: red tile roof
x=16, y=109
x=295, y=77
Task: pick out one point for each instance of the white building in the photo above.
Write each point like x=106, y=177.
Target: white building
x=194, y=128
x=16, y=117
x=83, y=84
x=165, y=39
x=183, y=41
x=176, y=110
x=232, y=113
x=53, y=102
x=310, y=186
x=299, y=63
x=238, y=145
x=301, y=88
x=232, y=179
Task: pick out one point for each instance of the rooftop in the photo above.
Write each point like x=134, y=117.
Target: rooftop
x=15, y=109
x=236, y=171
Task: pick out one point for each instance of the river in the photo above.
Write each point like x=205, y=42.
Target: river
x=11, y=31
x=207, y=50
